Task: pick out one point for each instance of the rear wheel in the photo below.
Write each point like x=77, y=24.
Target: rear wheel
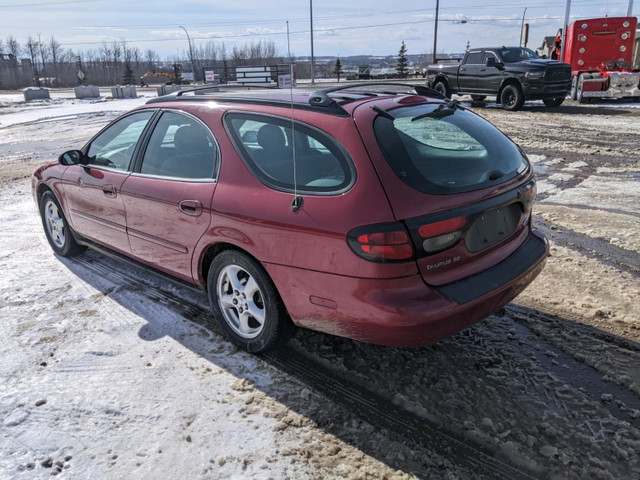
x=478, y=98
x=246, y=303
x=442, y=88
x=56, y=227
x=553, y=102
x=512, y=97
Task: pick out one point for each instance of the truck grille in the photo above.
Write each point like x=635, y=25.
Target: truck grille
x=558, y=74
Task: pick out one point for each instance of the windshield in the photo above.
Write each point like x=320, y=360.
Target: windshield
x=513, y=55
x=439, y=149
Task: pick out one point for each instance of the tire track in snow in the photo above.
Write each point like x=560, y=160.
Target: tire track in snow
x=369, y=406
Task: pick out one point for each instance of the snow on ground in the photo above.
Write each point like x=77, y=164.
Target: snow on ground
x=102, y=377
x=100, y=382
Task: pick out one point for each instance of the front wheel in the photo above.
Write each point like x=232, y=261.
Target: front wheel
x=512, y=98
x=553, y=102
x=246, y=303
x=56, y=227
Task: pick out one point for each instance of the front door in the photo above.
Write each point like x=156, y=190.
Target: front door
x=93, y=190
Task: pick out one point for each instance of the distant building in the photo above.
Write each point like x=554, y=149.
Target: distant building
x=13, y=73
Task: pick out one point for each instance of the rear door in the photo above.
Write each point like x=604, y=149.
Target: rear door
x=93, y=191
x=168, y=197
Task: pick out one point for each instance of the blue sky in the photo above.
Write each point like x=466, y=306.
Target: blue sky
x=343, y=28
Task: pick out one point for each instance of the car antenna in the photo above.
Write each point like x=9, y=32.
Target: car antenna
x=297, y=200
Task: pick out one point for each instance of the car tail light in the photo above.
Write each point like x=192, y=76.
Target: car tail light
x=441, y=235
x=384, y=242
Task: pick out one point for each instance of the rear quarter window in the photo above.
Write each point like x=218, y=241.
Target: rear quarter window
x=439, y=151
x=268, y=145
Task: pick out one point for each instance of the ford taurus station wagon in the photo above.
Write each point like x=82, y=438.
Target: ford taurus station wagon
x=378, y=212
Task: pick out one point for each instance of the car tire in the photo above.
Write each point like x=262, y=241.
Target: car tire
x=442, y=88
x=246, y=304
x=512, y=97
x=478, y=98
x=553, y=102
x=56, y=227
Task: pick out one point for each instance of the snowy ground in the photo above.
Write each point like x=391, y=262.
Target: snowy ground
x=108, y=371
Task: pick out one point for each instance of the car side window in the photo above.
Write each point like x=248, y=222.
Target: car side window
x=267, y=144
x=180, y=147
x=114, y=147
x=474, y=58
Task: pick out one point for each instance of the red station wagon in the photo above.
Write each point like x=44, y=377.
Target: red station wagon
x=377, y=212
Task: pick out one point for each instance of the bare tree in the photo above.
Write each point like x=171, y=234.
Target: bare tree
x=43, y=52
x=151, y=57
x=55, y=50
x=32, y=50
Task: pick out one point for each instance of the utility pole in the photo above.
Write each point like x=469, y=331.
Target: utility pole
x=435, y=33
x=313, y=68
x=193, y=66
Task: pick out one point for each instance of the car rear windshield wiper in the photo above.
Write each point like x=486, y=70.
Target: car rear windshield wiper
x=442, y=111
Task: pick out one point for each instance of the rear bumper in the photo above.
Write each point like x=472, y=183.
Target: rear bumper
x=405, y=312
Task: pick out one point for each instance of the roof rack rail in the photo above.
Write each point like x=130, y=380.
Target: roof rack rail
x=198, y=96
x=321, y=97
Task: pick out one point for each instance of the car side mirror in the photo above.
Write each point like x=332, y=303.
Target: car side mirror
x=73, y=157
x=492, y=62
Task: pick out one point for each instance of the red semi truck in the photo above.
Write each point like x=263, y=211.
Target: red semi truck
x=600, y=52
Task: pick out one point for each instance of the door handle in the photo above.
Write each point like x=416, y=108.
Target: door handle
x=109, y=191
x=483, y=69
x=191, y=207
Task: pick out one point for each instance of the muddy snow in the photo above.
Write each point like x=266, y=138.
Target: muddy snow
x=108, y=371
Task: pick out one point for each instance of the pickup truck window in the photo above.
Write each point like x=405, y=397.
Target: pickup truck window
x=442, y=154
x=513, y=55
x=474, y=58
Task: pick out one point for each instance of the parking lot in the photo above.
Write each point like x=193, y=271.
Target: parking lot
x=111, y=367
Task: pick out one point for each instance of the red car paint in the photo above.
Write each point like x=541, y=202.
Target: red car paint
x=174, y=225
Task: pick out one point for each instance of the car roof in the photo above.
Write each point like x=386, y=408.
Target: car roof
x=333, y=100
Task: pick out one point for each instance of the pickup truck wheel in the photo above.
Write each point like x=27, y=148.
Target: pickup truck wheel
x=478, y=98
x=442, y=88
x=512, y=98
x=553, y=102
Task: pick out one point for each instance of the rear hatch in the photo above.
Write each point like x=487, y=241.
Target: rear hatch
x=460, y=187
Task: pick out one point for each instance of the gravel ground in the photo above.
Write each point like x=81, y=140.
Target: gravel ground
x=107, y=371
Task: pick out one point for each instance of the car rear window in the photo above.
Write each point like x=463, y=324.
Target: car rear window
x=440, y=150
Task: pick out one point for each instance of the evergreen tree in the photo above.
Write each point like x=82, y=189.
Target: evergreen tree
x=338, y=68
x=129, y=77
x=402, y=65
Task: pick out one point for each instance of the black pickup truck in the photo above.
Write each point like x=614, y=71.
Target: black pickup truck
x=512, y=74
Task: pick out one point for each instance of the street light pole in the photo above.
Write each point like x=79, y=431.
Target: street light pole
x=313, y=70
x=193, y=67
